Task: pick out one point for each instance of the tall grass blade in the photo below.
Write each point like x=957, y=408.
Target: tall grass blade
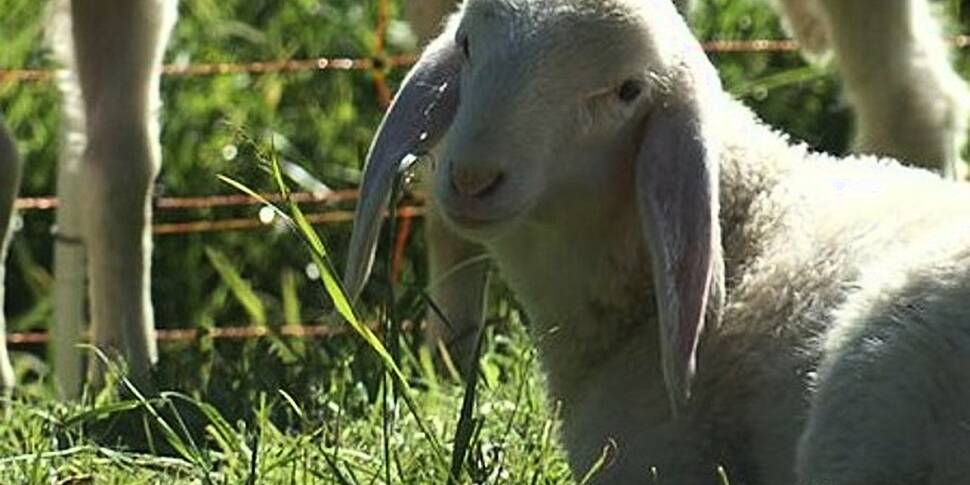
x=466, y=424
x=241, y=289
x=298, y=223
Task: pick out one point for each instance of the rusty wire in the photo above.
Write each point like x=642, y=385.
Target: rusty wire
x=384, y=94
x=241, y=224
x=758, y=45
x=209, y=201
x=381, y=62
x=237, y=332
x=213, y=201
x=9, y=75
x=246, y=223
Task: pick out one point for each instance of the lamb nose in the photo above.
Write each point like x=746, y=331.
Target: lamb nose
x=475, y=182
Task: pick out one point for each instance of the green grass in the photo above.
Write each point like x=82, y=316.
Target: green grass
x=337, y=438
x=281, y=409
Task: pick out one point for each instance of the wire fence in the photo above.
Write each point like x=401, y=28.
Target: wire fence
x=381, y=63
x=29, y=204
x=229, y=332
x=378, y=64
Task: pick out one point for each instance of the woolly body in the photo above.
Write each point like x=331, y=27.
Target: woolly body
x=825, y=261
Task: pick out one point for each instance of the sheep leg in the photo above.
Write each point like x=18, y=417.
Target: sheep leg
x=806, y=23
x=69, y=255
x=69, y=251
x=118, y=49
x=69, y=287
x=10, y=169
x=459, y=280
x=910, y=104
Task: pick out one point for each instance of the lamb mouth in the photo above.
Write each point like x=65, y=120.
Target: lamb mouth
x=480, y=220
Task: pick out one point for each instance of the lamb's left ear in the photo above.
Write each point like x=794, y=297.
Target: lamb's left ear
x=677, y=191
x=417, y=119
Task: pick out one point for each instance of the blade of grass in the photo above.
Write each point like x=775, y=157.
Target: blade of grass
x=389, y=320
x=463, y=431
x=240, y=288
x=189, y=452
x=220, y=430
x=606, y=456
x=334, y=289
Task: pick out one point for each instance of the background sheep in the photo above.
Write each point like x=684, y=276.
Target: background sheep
x=114, y=52
x=702, y=290
x=10, y=167
x=909, y=102
x=909, y=105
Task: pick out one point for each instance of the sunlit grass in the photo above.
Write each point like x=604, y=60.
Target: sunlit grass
x=184, y=439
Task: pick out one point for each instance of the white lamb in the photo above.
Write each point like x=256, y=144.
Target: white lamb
x=910, y=105
x=114, y=50
x=703, y=292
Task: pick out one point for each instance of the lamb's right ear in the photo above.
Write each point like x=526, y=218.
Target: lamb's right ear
x=420, y=115
x=677, y=181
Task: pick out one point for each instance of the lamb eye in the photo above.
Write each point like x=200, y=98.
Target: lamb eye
x=629, y=90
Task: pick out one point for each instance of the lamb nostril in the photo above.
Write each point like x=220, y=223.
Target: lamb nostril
x=476, y=183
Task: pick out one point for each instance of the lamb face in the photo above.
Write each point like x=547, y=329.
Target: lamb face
x=569, y=137
x=546, y=125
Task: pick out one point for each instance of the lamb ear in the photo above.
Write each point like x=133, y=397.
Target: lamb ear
x=677, y=191
x=421, y=113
